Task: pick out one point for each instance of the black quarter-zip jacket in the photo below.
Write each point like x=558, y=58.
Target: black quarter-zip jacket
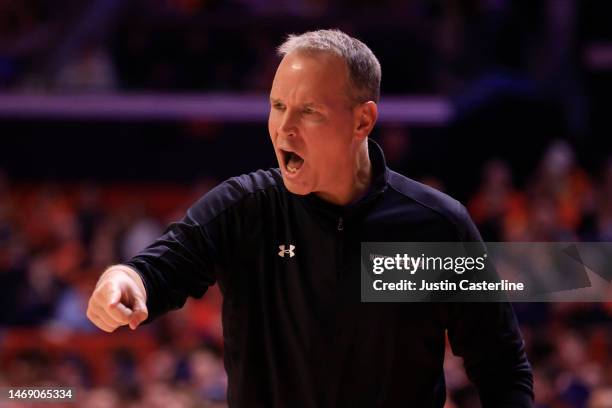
x=295, y=331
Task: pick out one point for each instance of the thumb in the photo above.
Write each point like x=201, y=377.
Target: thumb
x=139, y=314
x=114, y=296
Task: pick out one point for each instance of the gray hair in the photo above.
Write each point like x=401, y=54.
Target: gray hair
x=363, y=66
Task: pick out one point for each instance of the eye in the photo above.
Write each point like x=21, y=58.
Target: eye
x=309, y=111
x=278, y=106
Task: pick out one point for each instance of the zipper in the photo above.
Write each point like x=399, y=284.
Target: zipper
x=340, y=224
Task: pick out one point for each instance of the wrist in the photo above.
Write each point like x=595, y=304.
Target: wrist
x=124, y=271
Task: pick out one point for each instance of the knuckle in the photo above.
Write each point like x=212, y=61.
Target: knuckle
x=91, y=314
x=90, y=303
x=96, y=299
x=94, y=309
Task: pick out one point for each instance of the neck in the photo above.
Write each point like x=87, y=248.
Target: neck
x=356, y=183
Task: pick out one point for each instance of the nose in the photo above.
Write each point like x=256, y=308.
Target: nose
x=288, y=124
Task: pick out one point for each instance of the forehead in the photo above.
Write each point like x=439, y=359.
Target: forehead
x=319, y=76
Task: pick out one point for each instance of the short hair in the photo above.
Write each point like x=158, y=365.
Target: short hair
x=363, y=66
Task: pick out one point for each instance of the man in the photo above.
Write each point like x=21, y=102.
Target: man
x=284, y=246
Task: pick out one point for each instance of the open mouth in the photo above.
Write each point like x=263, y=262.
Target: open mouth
x=293, y=161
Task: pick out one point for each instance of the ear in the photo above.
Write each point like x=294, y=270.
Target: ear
x=365, y=119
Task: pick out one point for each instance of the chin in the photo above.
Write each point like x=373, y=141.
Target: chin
x=296, y=188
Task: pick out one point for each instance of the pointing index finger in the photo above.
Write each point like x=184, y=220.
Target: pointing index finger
x=120, y=312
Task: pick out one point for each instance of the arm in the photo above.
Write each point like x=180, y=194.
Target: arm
x=177, y=265
x=488, y=338
x=180, y=263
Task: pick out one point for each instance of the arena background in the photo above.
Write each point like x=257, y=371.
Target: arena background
x=116, y=115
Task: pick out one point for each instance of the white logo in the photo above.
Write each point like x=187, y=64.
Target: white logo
x=284, y=251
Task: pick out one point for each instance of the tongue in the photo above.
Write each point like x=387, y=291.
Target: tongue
x=295, y=161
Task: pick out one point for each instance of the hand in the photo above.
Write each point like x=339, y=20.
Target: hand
x=119, y=299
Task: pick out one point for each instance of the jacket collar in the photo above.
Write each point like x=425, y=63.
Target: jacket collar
x=378, y=184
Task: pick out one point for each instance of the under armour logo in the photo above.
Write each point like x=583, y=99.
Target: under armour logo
x=284, y=251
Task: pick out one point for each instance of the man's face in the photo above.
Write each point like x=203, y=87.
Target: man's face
x=311, y=122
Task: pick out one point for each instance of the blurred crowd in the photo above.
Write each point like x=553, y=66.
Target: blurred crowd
x=488, y=56
x=55, y=240
x=228, y=45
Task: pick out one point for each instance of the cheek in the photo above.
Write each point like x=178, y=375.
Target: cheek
x=328, y=149
x=271, y=128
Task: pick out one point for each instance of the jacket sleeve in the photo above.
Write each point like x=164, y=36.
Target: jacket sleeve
x=184, y=260
x=487, y=337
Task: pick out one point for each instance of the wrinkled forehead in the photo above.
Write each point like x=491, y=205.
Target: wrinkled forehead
x=314, y=74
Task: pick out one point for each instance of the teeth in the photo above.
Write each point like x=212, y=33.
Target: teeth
x=291, y=168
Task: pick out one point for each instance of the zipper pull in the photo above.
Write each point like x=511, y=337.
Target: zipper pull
x=340, y=224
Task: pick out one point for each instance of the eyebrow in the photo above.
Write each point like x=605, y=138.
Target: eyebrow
x=306, y=104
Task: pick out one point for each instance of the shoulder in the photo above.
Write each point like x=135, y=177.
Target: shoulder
x=235, y=192
x=436, y=203
x=258, y=180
